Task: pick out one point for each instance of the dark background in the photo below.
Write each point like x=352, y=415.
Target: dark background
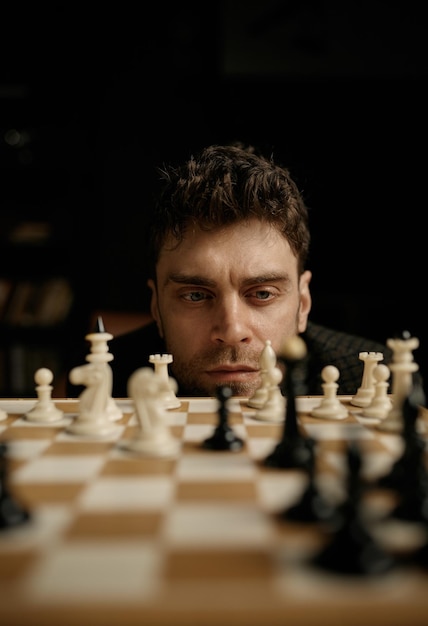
x=335, y=90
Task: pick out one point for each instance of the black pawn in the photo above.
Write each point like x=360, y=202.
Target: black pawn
x=312, y=507
x=223, y=437
x=409, y=471
x=292, y=449
x=11, y=512
x=411, y=460
x=351, y=549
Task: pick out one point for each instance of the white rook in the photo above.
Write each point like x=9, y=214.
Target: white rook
x=169, y=387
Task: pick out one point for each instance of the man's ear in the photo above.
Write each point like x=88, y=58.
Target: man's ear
x=305, y=300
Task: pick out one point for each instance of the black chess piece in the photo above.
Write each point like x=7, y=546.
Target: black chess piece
x=292, y=450
x=312, y=506
x=12, y=513
x=409, y=476
x=223, y=437
x=405, y=465
x=351, y=549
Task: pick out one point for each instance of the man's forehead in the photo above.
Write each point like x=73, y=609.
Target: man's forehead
x=252, y=231
x=238, y=254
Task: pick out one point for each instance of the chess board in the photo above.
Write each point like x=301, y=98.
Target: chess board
x=116, y=538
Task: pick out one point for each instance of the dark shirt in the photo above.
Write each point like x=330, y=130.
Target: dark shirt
x=325, y=346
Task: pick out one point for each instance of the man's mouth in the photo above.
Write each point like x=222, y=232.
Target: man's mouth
x=233, y=372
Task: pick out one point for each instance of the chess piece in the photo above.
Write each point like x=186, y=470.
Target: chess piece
x=97, y=409
x=223, y=437
x=99, y=353
x=292, y=449
x=274, y=407
x=169, y=386
x=12, y=513
x=402, y=369
x=351, y=549
x=93, y=417
x=408, y=475
x=312, y=506
x=45, y=410
x=365, y=393
x=267, y=363
x=3, y=415
x=381, y=403
x=330, y=406
x=146, y=388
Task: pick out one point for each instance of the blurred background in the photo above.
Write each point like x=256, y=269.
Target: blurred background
x=93, y=100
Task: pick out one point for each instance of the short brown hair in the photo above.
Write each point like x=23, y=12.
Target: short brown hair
x=223, y=185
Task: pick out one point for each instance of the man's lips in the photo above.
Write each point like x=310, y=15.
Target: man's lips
x=233, y=372
x=232, y=368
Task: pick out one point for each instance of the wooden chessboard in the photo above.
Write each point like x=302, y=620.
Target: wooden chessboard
x=115, y=538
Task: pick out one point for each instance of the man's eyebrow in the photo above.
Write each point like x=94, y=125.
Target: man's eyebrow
x=271, y=277
x=202, y=281
x=190, y=279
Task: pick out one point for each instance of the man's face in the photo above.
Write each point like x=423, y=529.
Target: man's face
x=219, y=297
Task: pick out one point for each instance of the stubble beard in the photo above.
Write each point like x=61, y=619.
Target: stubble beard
x=189, y=375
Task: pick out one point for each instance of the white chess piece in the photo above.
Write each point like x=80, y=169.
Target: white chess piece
x=267, y=363
x=169, y=387
x=365, y=393
x=3, y=415
x=330, y=406
x=381, y=403
x=93, y=417
x=273, y=409
x=44, y=411
x=99, y=353
x=402, y=369
x=154, y=438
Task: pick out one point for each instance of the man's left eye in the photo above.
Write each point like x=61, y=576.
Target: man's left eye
x=196, y=296
x=262, y=295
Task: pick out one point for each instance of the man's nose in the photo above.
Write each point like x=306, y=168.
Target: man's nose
x=230, y=323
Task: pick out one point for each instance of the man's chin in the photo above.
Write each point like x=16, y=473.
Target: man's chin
x=243, y=390
x=238, y=388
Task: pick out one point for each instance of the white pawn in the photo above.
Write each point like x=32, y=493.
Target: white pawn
x=267, y=363
x=381, y=403
x=44, y=411
x=274, y=408
x=330, y=406
x=3, y=415
x=365, y=393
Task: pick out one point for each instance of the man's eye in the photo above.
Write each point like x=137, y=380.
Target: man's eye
x=195, y=296
x=262, y=295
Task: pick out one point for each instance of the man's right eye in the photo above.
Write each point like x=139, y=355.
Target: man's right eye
x=195, y=296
